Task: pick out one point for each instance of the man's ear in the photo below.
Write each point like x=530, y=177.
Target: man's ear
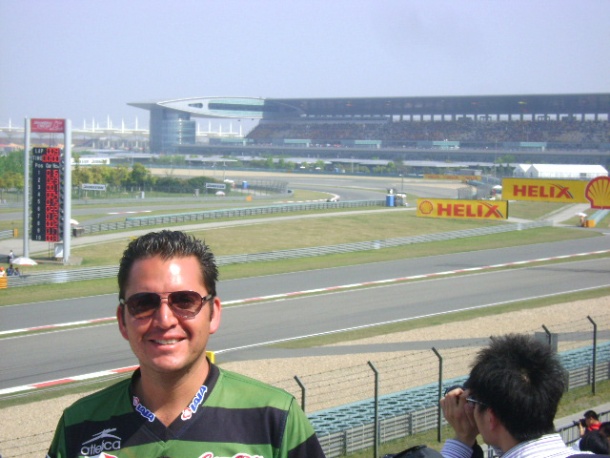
x=120, y=318
x=493, y=421
x=216, y=315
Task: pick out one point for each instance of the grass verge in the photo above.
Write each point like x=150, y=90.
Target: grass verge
x=19, y=295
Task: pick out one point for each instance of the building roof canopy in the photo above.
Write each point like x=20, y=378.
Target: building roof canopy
x=251, y=107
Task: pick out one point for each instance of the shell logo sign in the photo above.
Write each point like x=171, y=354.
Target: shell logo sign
x=596, y=192
x=452, y=208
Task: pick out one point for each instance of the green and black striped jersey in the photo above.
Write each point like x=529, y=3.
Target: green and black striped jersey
x=231, y=416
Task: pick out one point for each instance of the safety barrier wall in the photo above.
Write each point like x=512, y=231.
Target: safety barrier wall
x=92, y=273
x=144, y=221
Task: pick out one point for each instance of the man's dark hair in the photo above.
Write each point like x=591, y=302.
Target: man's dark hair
x=522, y=381
x=168, y=244
x=591, y=414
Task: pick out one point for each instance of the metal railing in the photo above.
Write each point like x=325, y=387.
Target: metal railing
x=65, y=276
x=343, y=409
x=6, y=234
x=144, y=221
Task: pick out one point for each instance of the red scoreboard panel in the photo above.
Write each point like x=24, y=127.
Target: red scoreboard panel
x=47, y=212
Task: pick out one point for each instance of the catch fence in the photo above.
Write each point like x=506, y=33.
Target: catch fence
x=90, y=273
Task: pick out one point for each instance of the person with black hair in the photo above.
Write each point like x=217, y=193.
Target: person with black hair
x=510, y=398
x=589, y=422
x=179, y=403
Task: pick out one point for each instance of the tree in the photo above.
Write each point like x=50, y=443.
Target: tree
x=11, y=170
x=118, y=176
x=12, y=162
x=140, y=176
x=11, y=180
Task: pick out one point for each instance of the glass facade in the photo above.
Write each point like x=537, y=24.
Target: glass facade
x=169, y=129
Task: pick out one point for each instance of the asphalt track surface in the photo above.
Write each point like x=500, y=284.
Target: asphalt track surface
x=286, y=312
x=248, y=326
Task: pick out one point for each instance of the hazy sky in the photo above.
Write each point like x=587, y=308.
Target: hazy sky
x=86, y=59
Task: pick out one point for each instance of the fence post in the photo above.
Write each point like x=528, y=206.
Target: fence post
x=303, y=391
x=594, y=353
x=376, y=414
x=548, y=334
x=439, y=412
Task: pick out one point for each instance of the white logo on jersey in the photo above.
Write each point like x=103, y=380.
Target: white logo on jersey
x=100, y=443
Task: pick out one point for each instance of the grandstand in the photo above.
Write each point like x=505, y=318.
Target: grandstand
x=571, y=128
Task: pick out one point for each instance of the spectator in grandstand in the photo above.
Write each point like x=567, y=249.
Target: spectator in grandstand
x=594, y=441
x=589, y=422
x=178, y=402
x=510, y=398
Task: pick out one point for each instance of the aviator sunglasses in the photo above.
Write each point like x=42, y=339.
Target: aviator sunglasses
x=184, y=304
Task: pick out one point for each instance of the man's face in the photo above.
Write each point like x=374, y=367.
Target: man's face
x=590, y=421
x=163, y=342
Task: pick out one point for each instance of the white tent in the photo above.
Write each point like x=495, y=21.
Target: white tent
x=521, y=170
x=565, y=171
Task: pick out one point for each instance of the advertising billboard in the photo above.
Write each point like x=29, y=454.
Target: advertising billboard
x=455, y=208
x=595, y=192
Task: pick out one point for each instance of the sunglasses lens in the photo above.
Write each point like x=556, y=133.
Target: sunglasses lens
x=143, y=304
x=186, y=303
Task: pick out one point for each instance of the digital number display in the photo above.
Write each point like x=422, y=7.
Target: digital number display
x=47, y=217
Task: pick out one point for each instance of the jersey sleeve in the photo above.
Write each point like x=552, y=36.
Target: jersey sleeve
x=300, y=440
x=57, y=448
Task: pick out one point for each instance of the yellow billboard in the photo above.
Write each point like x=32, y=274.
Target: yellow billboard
x=595, y=192
x=454, y=208
x=544, y=190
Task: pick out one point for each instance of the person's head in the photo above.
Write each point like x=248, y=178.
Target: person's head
x=168, y=244
x=591, y=417
x=594, y=441
x=167, y=280
x=520, y=381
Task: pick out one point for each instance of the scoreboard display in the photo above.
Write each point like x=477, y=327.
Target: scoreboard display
x=47, y=210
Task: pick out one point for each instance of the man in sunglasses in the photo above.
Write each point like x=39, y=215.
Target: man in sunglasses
x=510, y=399
x=178, y=403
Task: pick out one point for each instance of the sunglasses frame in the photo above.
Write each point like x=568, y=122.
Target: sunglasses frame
x=474, y=402
x=176, y=310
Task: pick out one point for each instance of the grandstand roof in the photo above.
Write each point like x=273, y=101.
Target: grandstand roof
x=438, y=105
x=253, y=107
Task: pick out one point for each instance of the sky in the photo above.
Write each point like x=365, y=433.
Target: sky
x=85, y=60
